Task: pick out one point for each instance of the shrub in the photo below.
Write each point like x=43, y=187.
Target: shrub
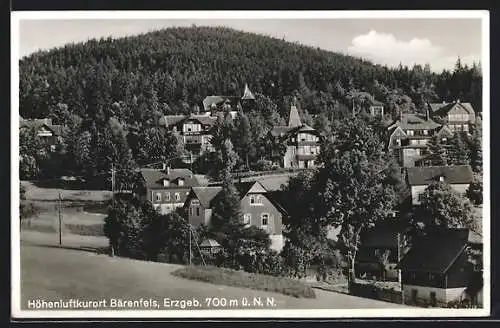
x=86, y=229
x=228, y=277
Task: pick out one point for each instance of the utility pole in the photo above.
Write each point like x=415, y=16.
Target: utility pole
x=190, y=254
x=60, y=220
x=113, y=182
x=113, y=202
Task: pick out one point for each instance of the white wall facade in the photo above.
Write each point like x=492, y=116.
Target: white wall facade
x=416, y=191
x=443, y=295
x=277, y=242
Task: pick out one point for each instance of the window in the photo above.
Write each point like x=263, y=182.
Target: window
x=247, y=217
x=177, y=196
x=197, y=211
x=181, y=182
x=258, y=200
x=195, y=202
x=166, y=183
x=158, y=197
x=377, y=252
x=265, y=219
x=432, y=276
x=252, y=200
x=167, y=196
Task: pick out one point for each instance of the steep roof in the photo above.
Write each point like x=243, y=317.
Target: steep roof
x=410, y=121
x=154, y=178
x=385, y=236
x=245, y=187
x=435, y=252
x=170, y=120
x=279, y=131
x=211, y=101
x=294, y=118
x=452, y=174
x=206, y=194
x=247, y=94
x=442, y=109
x=209, y=243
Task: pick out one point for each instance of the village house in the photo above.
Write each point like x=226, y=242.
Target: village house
x=410, y=134
x=438, y=269
x=381, y=248
x=214, y=105
x=50, y=134
x=257, y=209
x=195, y=131
x=458, y=177
x=458, y=116
x=302, y=142
x=376, y=108
x=167, y=189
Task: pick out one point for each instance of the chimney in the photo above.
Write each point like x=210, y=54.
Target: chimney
x=168, y=170
x=458, y=101
x=427, y=114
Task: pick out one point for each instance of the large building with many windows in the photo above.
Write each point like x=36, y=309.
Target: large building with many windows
x=167, y=189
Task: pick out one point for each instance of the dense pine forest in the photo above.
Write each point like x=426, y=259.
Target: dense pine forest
x=109, y=93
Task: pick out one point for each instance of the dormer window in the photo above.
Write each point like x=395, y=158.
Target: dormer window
x=181, y=182
x=166, y=183
x=441, y=179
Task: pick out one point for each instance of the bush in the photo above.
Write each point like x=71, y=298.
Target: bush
x=86, y=229
x=228, y=277
x=264, y=165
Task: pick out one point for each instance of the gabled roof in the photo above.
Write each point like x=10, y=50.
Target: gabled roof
x=442, y=109
x=154, y=178
x=452, y=174
x=410, y=121
x=435, y=252
x=206, y=194
x=247, y=94
x=209, y=243
x=384, y=236
x=279, y=131
x=249, y=186
x=211, y=101
x=294, y=118
x=171, y=120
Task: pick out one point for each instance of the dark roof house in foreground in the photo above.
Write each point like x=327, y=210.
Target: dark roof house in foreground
x=439, y=268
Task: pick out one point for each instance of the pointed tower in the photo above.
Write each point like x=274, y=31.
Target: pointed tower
x=247, y=94
x=294, y=119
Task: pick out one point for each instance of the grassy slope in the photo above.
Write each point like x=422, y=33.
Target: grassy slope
x=50, y=272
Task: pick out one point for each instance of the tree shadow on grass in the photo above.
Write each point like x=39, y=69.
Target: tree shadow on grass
x=89, y=249
x=70, y=184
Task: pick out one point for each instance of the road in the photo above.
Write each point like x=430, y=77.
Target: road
x=51, y=272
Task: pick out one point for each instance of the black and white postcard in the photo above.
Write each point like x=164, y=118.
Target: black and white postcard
x=250, y=164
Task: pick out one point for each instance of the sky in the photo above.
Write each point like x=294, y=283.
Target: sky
x=438, y=41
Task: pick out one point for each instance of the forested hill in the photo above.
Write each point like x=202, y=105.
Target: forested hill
x=170, y=71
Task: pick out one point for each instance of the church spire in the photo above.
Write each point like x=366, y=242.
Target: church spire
x=294, y=119
x=247, y=94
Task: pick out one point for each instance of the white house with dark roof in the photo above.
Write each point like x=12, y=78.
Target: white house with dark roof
x=167, y=189
x=459, y=116
x=439, y=268
x=195, y=131
x=258, y=209
x=459, y=177
x=410, y=134
x=48, y=133
x=302, y=142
